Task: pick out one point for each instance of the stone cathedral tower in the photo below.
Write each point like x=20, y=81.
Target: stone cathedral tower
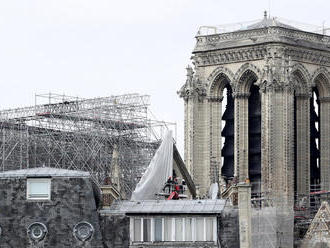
x=257, y=107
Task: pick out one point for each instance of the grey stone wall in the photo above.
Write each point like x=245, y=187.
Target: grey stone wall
x=264, y=222
x=115, y=231
x=228, y=229
x=72, y=201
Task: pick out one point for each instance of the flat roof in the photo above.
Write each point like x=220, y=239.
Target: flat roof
x=166, y=207
x=44, y=172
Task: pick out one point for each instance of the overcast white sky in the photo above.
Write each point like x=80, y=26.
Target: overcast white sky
x=93, y=48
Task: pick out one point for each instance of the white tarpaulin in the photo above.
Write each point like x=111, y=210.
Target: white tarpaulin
x=213, y=192
x=157, y=173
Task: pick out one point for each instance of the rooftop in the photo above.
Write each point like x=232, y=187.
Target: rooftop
x=44, y=172
x=167, y=207
x=269, y=22
x=266, y=22
x=260, y=32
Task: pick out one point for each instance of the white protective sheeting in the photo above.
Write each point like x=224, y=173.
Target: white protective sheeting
x=213, y=192
x=157, y=173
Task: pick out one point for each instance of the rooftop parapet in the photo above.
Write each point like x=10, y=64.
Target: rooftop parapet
x=267, y=30
x=43, y=172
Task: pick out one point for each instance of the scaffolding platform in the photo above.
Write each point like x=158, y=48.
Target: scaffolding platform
x=75, y=133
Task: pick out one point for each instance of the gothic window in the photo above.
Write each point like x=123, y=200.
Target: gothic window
x=248, y=154
x=255, y=138
x=315, y=140
x=227, y=133
x=221, y=129
x=302, y=142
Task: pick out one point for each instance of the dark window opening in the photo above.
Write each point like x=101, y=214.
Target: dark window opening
x=227, y=133
x=255, y=139
x=315, y=141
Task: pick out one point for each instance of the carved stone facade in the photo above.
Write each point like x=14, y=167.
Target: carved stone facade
x=318, y=233
x=291, y=69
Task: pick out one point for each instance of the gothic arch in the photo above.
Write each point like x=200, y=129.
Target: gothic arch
x=244, y=76
x=303, y=70
x=218, y=79
x=321, y=79
x=302, y=78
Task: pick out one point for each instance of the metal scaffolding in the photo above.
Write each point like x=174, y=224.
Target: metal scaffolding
x=75, y=133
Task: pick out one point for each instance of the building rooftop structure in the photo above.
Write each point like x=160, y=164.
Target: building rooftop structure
x=44, y=172
x=177, y=223
x=49, y=207
x=166, y=207
x=267, y=30
x=265, y=22
x=269, y=22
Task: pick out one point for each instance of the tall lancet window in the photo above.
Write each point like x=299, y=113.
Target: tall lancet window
x=315, y=140
x=227, y=133
x=255, y=138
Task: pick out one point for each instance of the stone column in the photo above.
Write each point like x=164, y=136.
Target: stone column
x=267, y=172
x=196, y=143
x=201, y=155
x=288, y=145
x=241, y=136
x=278, y=143
x=303, y=146
x=215, y=127
x=191, y=139
x=244, y=211
x=196, y=148
x=278, y=157
x=188, y=137
x=325, y=142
